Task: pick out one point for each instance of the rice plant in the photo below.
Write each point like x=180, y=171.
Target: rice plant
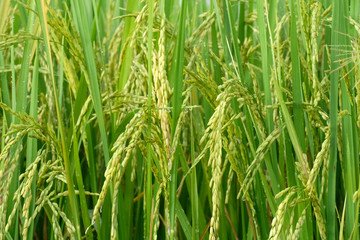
x=179, y=119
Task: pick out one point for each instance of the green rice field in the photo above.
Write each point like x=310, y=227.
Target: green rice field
x=179, y=119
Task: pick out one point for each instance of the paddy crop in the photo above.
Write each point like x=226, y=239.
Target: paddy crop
x=179, y=119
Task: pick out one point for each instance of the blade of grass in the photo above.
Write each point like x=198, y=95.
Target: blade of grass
x=132, y=6
x=148, y=192
x=296, y=76
x=13, y=76
x=176, y=77
x=82, y=23
x=31, y=150
x=5, y=96
x=80, y=184
x=81, y=20
x=298, y=99
x=184, y=222
x=288, y=121
x=266, y=62
x=334, y=78
x=234, y=40
x=73, y=200
x=342, y=222
x=194, y=190
x=350, y=162
x=21, y=101
x=221, y=30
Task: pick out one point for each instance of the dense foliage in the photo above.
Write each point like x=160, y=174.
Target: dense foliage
x=179, y=119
